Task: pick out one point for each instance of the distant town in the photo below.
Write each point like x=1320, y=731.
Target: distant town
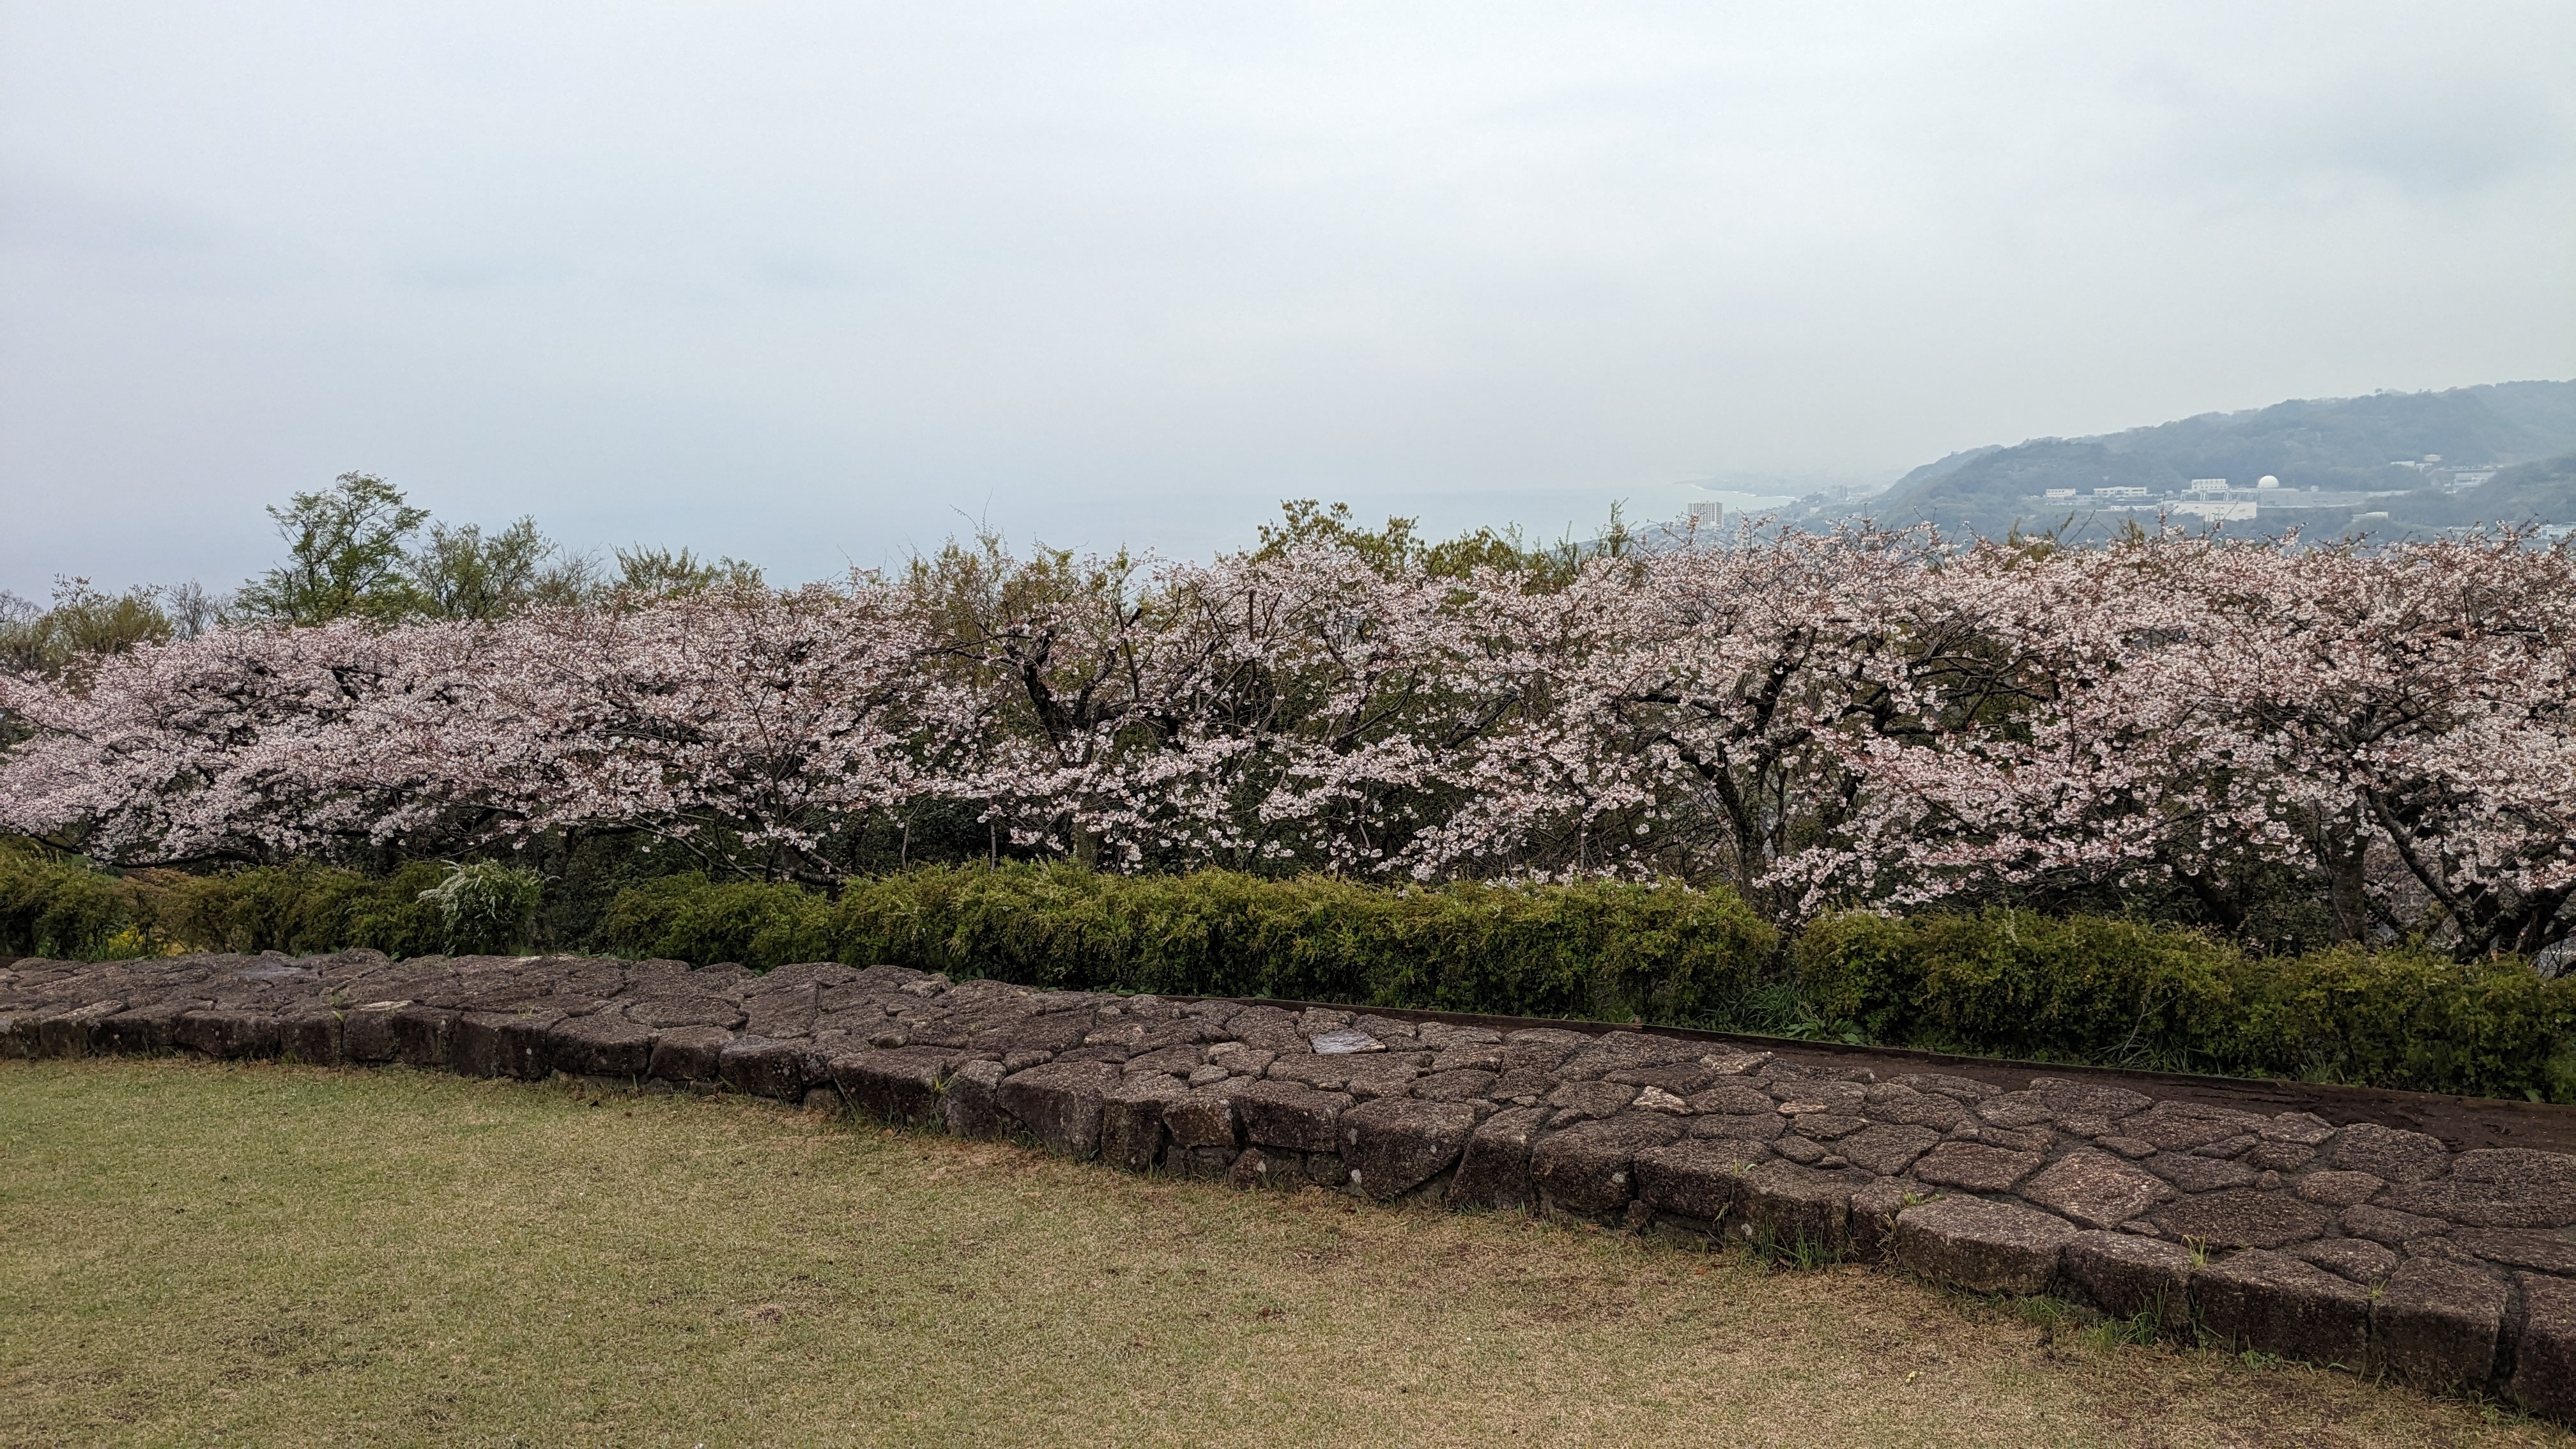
x=2219, y=500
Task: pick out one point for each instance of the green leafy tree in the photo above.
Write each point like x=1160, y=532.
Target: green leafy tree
x=465, y=573
x=346, y=555
x=655, y=572
x=84, y=622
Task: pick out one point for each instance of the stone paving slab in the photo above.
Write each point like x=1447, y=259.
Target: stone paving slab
x=2430, y=1238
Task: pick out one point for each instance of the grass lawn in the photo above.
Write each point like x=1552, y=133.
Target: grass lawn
x=267, y=1254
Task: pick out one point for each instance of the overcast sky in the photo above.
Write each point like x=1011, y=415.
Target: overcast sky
x=816, y=284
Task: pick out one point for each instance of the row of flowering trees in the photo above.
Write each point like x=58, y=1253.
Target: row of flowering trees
x=1864, y=718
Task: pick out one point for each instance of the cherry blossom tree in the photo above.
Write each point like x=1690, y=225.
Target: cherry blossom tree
x=1862, y=718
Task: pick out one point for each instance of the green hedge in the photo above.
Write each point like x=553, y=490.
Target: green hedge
x=305, y=909
x=1601, y=950
x=2094, y=989
x=2000, y=983
x=50, y=906
x=53, y=906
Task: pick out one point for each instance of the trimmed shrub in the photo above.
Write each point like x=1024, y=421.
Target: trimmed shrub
x=1594, y=949
x=689, y=918
x=68, y=909
x=2018, y=984
x=301, y=909
x=2104, y=990
x=2412, y=1019
x=1999, y=983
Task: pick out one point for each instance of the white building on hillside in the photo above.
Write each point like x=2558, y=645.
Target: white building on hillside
x=2216, y=510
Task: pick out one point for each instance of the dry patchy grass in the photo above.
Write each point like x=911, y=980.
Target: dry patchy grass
x=192, y=1251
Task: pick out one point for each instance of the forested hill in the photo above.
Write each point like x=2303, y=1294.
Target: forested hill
x=2391, y=463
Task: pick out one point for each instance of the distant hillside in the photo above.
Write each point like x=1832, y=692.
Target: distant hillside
x=2389, y=463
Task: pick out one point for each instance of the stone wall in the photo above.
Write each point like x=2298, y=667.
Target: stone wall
x=2350, y=1242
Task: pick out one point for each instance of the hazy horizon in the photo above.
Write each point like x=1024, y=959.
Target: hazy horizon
x=816, y=286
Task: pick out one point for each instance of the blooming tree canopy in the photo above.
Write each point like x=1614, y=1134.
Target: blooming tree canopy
x=1856, y=719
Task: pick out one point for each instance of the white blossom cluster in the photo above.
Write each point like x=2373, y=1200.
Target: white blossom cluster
x=1864, y=718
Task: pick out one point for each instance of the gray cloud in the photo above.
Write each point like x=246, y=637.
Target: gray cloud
x=808, y=283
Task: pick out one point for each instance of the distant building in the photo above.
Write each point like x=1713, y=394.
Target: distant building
x=1706, y=513
x=2473, y=478
x=2060, y=493
x=2208, y=485
x=2217, y=510
x=2119, y=493
x=2267, y=481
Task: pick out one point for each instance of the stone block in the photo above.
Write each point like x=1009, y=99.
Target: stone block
x=145, y=1031
x=689, y=1053
x=419, y=1034
x=2544, y=1356
x=1875, y=1207
x=900, y=1086
x=1131, y=1120
x=1698, y=1178
x=1733, y=1099
x=762, y=1067
x=2095, y=1189
x=1464, y=1085
x=1798, y=1149
x=2384, y=1225
x=220, y=1032
x=1819, y=1096
x=2015, y=1109
x=1206, y=1164
x=2069, y=1097
x=606, y=1044
x=2273, y=1303
x=2339, y=1189
x=1959, y=1089
x=1826, y=1126
x=1204, y=1119
x=2496, y=1188
x=2248, y=1219
x=367, y=1032
x=2193, y=1173
x=1178, y=1060
x=1579, y=1101
x=2125, y=1276
x=666, y=1007
x=1059, y=1103
x=480, y=1044
x=1985, y=1247
x=1394, y=1145
x=2388, y=1153
x=971, y=1106
x=1975, y=1166
x=2544, y=1252
x=311, y=1037
x=2438, y=1323
x=2268, y=1156
x=1494, y=1171
x=2184, y=1126
x=2359, y=1259
x=1791, y=1207
x=1287, y=1115
x=1327, y=1170
x=69, y=1033
x=2304, y=1129
x=1627, y=1051
x=1270, y=1167
x=1588, y=1169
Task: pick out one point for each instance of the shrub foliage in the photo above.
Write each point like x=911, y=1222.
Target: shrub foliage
x=1998, y=983
x=1592, y=949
